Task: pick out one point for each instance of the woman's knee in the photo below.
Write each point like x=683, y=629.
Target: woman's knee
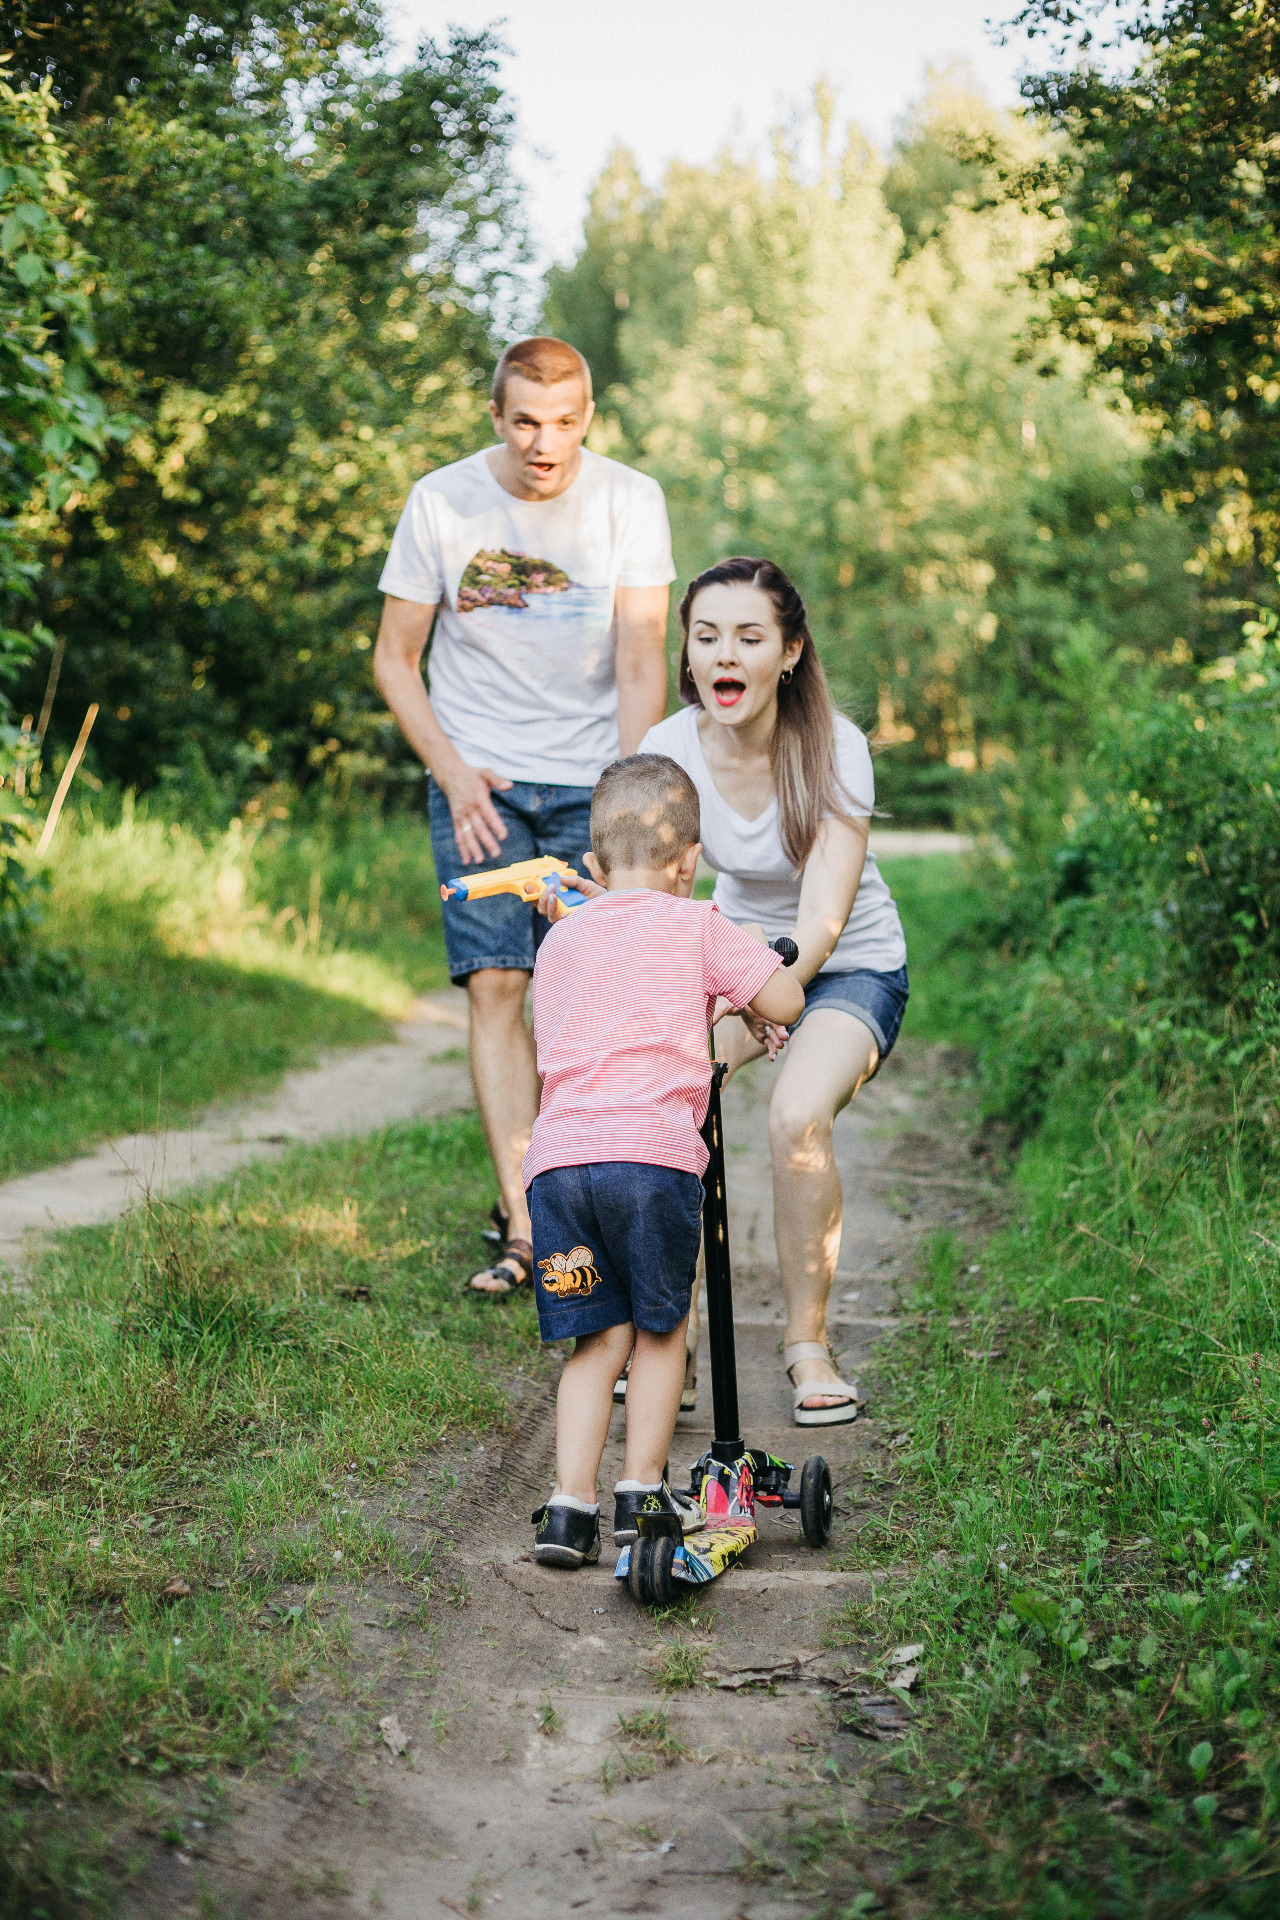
x=799, y=1135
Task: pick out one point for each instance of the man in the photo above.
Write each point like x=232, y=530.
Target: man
x=545, y=572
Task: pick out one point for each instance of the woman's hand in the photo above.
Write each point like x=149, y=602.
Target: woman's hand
x=765, y=1033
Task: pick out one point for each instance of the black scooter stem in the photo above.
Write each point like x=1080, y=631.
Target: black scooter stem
x=727, y=1445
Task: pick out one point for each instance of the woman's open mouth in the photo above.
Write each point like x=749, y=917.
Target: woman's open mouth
x=728, y=692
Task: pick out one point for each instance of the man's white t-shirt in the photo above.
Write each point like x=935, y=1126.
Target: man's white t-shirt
x=755, y=879
x=521, y=669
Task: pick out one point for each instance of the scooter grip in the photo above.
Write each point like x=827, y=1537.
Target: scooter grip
x=787, y=948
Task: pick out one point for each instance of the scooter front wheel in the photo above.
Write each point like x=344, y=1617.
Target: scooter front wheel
x=815, y=1500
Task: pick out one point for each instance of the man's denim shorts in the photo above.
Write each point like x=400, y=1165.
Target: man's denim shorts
x=879, y=1000
x=504, y=931
x=613, y=1243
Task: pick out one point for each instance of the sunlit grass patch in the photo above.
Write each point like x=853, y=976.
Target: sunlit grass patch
x=177, y=966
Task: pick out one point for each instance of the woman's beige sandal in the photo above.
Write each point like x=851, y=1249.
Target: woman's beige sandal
x=514, y=1268
x=845, y=1409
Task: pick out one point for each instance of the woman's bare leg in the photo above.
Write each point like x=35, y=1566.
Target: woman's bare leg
x=824, y=1065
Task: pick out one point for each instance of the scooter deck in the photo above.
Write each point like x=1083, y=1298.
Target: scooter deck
x=703, y=1556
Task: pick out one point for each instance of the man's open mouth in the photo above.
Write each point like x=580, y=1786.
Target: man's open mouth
x=728, y=692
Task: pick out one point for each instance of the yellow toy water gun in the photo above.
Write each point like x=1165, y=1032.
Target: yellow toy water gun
x=527, y=879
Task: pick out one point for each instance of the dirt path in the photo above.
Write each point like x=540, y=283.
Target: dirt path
x=422, y=1071
x=522, y=1787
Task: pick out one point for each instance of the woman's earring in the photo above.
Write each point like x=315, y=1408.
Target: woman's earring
x=787, y=675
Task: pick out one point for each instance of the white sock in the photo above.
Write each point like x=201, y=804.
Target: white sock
x=568, y=1500
x=637, y=1486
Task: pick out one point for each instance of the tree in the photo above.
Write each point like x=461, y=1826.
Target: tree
x=300, y=282
x=1169, y=269
x=893, y=418
x=54, y=426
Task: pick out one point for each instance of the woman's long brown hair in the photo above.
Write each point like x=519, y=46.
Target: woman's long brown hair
x=803, y=749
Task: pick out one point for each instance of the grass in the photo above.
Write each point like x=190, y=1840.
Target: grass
x=176, y=968
x=208, y=1421
x=941, y=911
x=1088, y=1499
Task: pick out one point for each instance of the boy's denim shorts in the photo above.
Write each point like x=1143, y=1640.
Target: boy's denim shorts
x=613, y=1243
x=879, y=1000
x=504, y=931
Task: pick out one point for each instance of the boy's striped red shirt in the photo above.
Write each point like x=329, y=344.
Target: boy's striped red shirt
x=623, y=994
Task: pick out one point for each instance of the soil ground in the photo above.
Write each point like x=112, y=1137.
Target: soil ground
x=546, y=1770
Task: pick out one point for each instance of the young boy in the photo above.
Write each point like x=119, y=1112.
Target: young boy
x=623, y=994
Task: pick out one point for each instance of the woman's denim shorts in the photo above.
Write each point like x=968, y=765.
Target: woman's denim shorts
x=879, y=1000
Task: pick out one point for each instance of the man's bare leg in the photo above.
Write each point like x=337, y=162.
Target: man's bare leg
x=504, y=1071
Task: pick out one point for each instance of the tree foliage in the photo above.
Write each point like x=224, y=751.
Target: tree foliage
x=1169, y=269
x=300, y=273
x=54, y=425
x=848, y=371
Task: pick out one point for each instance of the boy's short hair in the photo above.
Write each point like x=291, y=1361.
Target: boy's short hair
x=644, y=813
x=544, y=360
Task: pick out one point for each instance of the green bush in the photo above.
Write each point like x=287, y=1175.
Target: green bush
x=1185, y=831
x=1149, y=931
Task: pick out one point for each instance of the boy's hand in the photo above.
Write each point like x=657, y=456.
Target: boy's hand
x=546, y=899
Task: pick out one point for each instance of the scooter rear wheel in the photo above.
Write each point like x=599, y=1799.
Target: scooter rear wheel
x=638, y=1571
x=815, y=1500
x=649, y=1576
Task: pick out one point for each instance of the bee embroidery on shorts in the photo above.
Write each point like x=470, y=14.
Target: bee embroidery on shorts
x=572, y=1272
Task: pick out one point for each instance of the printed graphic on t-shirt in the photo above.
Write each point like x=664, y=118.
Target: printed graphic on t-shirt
x=569, y=1273
x=503, y=579
x=507, y=595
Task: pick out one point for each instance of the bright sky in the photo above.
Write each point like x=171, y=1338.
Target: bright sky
x=675, y=78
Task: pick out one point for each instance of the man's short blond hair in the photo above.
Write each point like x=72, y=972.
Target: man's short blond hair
x=544, y=360
x=644, y=813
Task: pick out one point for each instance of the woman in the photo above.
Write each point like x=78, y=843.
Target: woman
x=787, y=793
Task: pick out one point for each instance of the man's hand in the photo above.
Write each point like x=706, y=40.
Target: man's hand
x=397, y=669
x=477, y=827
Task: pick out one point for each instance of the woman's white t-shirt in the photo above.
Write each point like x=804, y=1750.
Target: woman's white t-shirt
x=756, y=881
x=521, y=668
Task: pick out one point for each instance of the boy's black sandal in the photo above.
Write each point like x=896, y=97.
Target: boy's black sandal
x=664, y=1512
x=565, y=1536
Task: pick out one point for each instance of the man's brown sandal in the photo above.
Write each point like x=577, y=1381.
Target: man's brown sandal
x=514, y=1268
